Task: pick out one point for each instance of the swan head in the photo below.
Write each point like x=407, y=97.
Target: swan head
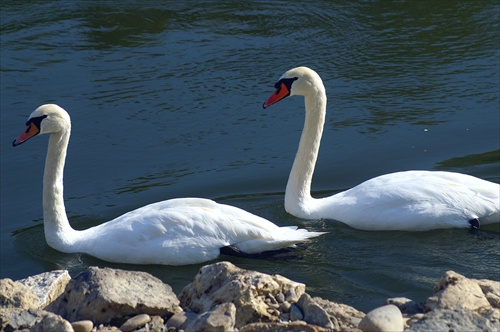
x=299, y=81
x=46, y=119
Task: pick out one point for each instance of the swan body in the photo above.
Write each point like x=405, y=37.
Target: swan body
x=409, y=201
x=172, y=232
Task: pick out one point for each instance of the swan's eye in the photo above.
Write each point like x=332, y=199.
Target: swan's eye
x=36, y=121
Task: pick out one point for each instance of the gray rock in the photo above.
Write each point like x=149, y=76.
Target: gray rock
x=406, y=305
x=383, y=319
x=36, y=320
x=346, y=317
x=83, y=326
x=295, y=313
x=453, y=320
x=225, y=283
x=14, y=294
x=182, y=319
x=315, y=314
x=284, y=327
x=135, y=322
x=47, y=286
x=222, y=319
x=101, y=295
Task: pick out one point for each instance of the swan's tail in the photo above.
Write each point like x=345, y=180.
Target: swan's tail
x=287, y=237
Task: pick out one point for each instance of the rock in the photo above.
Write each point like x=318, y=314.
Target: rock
x=221, y=318
x=284, y=327
x=14, y=294
x=452, y=320
x=454, y=291
x=491, y=290
x=382, y=319
x=101, y=295
x=225, y=283
x=135, y=322
x=83, y=326
x=180, y=320
x=314, y=314
x=19, y=319
x=156, y=325
x=345, y=316
x=405, y=305
x=47, y=286
x=295, y=313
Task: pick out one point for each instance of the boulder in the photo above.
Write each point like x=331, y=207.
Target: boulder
x=14, y=294
x=47, y=286
x=101, y=295
x=382, y=319
x=248, y=290
x=454, y=291
x=18, y=319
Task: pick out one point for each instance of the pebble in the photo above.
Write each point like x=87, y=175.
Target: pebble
x=274, y=305
x=285, y=306
x=280, y=297
x=157, y=320
x=135, y=322
x=83, y=326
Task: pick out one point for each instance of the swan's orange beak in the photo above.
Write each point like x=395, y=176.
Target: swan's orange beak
x=31, y=130
x=281, y=92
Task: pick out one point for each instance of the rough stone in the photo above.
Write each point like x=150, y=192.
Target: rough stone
x=83, y=326
x=454, y=291
x=182, y=319
x=101, y=295
x=285, y=327
x=295, y=313
x=156, y=325
x=452, y=320
x=344, y=315
x=14, y=294
x=221, y=318
x=18, y=319
x=491, y=289
x=406, y=305
x=47, y=286
x=225, y=283
x=135, y=322
x=315, y=314
x=382, y=319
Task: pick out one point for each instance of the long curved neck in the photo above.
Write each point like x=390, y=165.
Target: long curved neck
x=58, y=232
x=298, y=199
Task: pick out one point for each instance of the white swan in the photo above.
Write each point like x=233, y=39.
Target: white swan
x=411, y=201
x=173, y=232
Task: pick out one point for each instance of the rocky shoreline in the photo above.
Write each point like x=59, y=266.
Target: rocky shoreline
x=223, y=297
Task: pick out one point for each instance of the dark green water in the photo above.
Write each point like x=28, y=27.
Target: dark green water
x=165, y=99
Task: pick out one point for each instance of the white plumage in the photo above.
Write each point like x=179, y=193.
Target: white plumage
x=173, y=232
x=411, y=200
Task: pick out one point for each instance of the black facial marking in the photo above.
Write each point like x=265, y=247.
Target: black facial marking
x=287, y=82
x=36, y=121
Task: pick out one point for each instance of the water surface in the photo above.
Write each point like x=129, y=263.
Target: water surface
x=165, y=100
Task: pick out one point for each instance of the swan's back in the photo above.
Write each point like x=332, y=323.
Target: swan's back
x=185, y=231
x=416, y=200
